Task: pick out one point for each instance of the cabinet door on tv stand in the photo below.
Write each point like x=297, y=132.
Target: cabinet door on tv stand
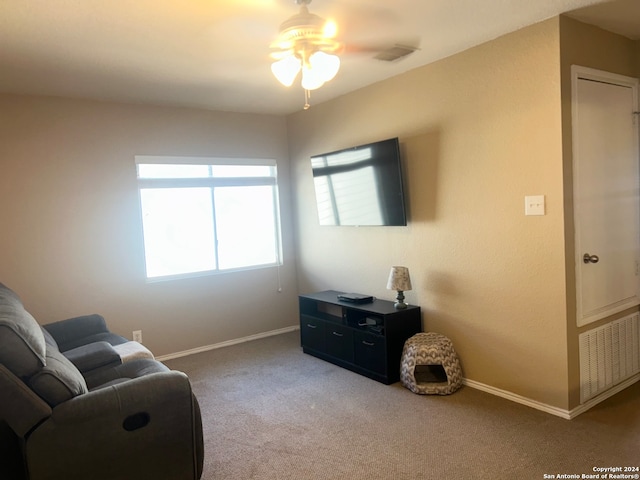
x=339, y=342
x=370, y=352
x=312, y=333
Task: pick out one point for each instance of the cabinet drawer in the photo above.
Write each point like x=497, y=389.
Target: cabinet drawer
x=339, y=341
x=370, y=352
x=312, y=333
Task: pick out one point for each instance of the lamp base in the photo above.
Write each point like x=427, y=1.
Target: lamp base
x=400, y=305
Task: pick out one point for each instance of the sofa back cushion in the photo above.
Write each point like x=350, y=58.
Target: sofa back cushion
x=23, y=349
x=48, y=338
x=59, y=380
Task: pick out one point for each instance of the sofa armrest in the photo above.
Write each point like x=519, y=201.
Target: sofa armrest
x=72, y=329
x=20, y=407
x=147, y=427
x=93, y=355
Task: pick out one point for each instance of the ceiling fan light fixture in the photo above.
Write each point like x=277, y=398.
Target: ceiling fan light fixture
x=286, y=70
x=330, y=29
x=304, y=23
x=306, y=42
x=325, y=64
x=311, y=78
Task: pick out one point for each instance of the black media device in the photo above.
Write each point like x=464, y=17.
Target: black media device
x=360, y=186
x=355, y=298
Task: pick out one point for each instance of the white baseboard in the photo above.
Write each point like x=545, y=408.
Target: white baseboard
x=604, y=395
x=228, y=343
x=559, y=412
x=518, y=398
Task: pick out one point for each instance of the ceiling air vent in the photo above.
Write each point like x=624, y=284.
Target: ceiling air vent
x=394, y=53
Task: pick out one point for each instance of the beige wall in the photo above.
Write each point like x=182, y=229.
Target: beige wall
x=71, y=239
x=479, y=131
x=587, y=46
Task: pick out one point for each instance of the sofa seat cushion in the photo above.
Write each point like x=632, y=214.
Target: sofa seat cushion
x=126, y=371
x=117, y=381
x=23, y=345
x=59, y=380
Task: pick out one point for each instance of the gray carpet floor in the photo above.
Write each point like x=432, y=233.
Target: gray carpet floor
x=271, y=412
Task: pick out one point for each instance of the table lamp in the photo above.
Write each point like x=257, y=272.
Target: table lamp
x=400, y=281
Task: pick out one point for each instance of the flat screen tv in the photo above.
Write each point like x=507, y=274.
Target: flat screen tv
x=360, y=186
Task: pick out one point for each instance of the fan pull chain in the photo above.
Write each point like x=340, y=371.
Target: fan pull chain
x=307, y=96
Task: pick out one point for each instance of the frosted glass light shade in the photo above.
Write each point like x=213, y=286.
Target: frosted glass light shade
x=399, y=279
x=311, y=78
x=321, y=68
x=328, y=65
x=286, y=70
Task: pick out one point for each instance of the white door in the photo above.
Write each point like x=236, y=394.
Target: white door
x=606, y=193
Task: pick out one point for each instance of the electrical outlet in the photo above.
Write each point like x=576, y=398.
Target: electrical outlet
x=137, y=336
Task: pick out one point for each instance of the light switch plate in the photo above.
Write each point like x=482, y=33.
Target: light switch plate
x=534, y=205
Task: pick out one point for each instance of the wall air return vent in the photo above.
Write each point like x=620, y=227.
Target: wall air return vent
x=609, y=355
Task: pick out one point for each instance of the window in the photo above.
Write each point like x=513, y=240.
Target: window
x=207, y=215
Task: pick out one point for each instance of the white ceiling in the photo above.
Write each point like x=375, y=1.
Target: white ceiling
x=215, y=53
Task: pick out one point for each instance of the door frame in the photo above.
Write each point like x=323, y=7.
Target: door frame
x=586, y=73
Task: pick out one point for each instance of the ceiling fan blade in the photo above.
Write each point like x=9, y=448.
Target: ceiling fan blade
x=399, y=47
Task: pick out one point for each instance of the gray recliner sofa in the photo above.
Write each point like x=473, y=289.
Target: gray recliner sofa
x=70, y=408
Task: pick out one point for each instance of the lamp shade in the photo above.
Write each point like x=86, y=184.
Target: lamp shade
x=311, y=78
x=399, y=279
x=320, y=68
x=286, y=70
x=325, y=63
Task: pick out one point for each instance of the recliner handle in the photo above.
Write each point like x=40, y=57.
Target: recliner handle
x=136, y=421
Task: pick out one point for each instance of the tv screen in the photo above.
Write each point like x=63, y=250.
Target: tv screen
x=360, y=186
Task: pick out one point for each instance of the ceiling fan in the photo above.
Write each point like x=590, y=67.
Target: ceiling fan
x=309, y=44
x=306, y=43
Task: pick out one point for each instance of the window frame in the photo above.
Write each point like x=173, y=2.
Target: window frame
x=213, y=183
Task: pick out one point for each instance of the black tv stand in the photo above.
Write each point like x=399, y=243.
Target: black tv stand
x=364, y=338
